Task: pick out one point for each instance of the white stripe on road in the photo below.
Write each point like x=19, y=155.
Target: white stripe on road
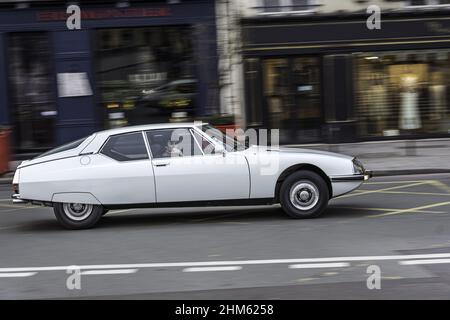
x=229, y=263
x=17, y=274
x=416, y=262
x=119, y=271
x=319, y=265
x=202, y=269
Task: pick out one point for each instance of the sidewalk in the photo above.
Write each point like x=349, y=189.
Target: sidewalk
x=383, y=157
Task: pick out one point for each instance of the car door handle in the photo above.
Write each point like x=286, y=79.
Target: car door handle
x=161, y=164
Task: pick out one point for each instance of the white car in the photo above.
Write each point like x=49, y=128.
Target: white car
x=179, y=164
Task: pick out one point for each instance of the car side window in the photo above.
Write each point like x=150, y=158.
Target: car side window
x=207, y=146
x=167, y=143
x=126, y=147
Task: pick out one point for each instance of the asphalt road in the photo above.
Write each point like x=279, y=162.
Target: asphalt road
x=400, y=224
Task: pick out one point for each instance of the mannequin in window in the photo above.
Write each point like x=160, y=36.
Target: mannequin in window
x=409, y=109
x=438, y=93
x=377, y=106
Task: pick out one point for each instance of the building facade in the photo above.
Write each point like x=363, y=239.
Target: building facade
x=131, y=62
x=315, y=70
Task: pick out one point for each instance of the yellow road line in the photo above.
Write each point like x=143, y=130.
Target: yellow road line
x=393, y=182
x=440, y=204
x=415, y=193
x=386, y=209
x=440, y=185
x=384, y=189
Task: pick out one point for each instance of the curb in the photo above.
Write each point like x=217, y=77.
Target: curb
x=376, y=173
x=403, y=172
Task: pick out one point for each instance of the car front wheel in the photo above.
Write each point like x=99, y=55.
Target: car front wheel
x=304, y=194
x=77, y=215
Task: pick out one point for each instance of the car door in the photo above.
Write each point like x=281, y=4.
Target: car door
x=121, y=173
x=184, y=173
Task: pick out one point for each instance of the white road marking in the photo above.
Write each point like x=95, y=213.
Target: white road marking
x=202, y=269
x=230, y=263
x=119, y=271
x=17, y=274
x=427, y=261
x=319, y=265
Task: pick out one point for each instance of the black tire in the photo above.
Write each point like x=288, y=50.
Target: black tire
x=304, y=206
x=90, y=220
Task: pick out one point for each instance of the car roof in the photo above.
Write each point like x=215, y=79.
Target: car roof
x=102, y=136
x=121, y=130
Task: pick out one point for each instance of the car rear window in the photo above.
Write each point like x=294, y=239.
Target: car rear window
x=65, y=147
x=126, y=147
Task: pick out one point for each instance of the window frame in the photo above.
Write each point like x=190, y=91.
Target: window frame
x=188, y=129
x=214, y=142
x=149, y=157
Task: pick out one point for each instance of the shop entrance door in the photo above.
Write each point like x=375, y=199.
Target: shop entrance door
x=292, y=98
x=30, y=79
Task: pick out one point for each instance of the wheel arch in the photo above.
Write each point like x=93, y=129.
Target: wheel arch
x=75, y=197
x=298, y=167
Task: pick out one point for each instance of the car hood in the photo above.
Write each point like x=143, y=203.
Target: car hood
x=282, y=149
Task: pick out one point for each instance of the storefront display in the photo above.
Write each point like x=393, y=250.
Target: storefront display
x=354, y=83
x=402, y=93
x=146, y=74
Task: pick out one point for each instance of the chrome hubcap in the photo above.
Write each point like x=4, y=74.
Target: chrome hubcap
x=77, y=211
x=304, y=195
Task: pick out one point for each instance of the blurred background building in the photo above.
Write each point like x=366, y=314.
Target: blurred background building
x=132, y=62
x=309, y=67
x=314, y=69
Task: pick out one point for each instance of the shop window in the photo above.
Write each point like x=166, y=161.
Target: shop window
x=292, y=98
x=403, y=93
x=31, y=81
x=280, y=6
x=146, y=75
x=253, y=92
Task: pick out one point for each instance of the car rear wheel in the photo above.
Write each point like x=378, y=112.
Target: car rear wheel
x=77, y=215
x=304, y=194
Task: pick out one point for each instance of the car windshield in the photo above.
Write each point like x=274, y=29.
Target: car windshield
x=65, y=147
x=229, y=143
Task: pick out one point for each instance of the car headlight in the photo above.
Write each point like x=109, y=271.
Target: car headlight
x=358, y=167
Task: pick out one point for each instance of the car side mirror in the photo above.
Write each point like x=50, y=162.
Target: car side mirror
x=219, y=149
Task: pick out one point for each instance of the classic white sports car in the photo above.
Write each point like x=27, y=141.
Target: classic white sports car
x=179, y=164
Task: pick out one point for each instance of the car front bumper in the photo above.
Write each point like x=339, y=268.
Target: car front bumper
x=353, y=177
